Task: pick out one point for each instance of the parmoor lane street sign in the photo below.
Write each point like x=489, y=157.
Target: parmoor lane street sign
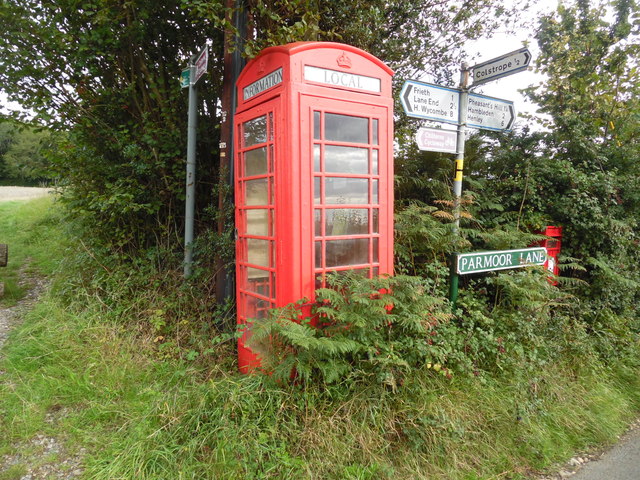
x=502, y=66
x=430, y=102
x=479, y=262
x=489, y=113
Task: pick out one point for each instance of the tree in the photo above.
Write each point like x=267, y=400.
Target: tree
x=582, y=173
x=106, y=73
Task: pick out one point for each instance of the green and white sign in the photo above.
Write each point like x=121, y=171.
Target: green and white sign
x=185, y=78
x=478, y=262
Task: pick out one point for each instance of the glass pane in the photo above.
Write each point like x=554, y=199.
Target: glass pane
x=271, y=158
x=272, y=192
x=316, y=158
x=318, y=254
x=374, y=192
x=375, y=222
x=256, y=192
x=316, y=125
x=273, y=284
x=376, y=243
x=346, y=159
x=258, y=222
x=257, y=308
x=318, y=223
x=346, y=221
x=316, y=190
x=344, y=191
x=258, y=252
x=271, y=126
x=255, y=131
x=374, y=162
x=273, y=223
x=255, y=162
x=258, y=281
x=345, y=128
x=374, y=127
x=347, y=252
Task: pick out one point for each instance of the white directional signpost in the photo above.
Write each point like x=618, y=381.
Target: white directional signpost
x=460, y=107
x=502, y=66
x=489, y=113
x=430, y=102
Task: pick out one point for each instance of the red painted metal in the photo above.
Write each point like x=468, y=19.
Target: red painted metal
x=314, y=174
x=552, y=245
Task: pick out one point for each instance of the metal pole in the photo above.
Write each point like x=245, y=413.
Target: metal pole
x=457, y=182
x=191, y=171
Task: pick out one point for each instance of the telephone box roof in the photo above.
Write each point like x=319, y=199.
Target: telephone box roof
x=299, y=47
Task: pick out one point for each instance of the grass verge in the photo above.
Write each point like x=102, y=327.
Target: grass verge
x=71, y=372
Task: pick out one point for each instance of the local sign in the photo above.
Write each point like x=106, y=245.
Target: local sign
x=430, y=102
x=437, y=140
x=489, y=113
x=478, y=262
x=502, y=66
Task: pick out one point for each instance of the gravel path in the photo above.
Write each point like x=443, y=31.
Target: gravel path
x=42, y=457
x=22, y=193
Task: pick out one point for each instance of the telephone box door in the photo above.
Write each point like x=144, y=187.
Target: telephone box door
x=255, y=217
x=350, y=183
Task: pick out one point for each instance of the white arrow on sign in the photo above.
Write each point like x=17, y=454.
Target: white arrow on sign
x=437, y=140
x=498, y=67
x=431, y=102
x=489, y=113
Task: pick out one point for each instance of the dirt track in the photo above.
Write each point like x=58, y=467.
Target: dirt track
x=22, y=193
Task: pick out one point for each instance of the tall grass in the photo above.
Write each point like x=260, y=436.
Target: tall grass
x=75, y=371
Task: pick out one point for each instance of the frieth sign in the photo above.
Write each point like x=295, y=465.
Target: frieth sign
x=479, y=262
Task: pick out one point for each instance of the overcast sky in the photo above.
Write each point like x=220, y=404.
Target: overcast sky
x=504, y=42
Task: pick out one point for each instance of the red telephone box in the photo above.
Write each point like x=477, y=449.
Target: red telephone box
x=313, y=139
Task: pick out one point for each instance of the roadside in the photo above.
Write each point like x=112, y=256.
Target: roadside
x=618, y=462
